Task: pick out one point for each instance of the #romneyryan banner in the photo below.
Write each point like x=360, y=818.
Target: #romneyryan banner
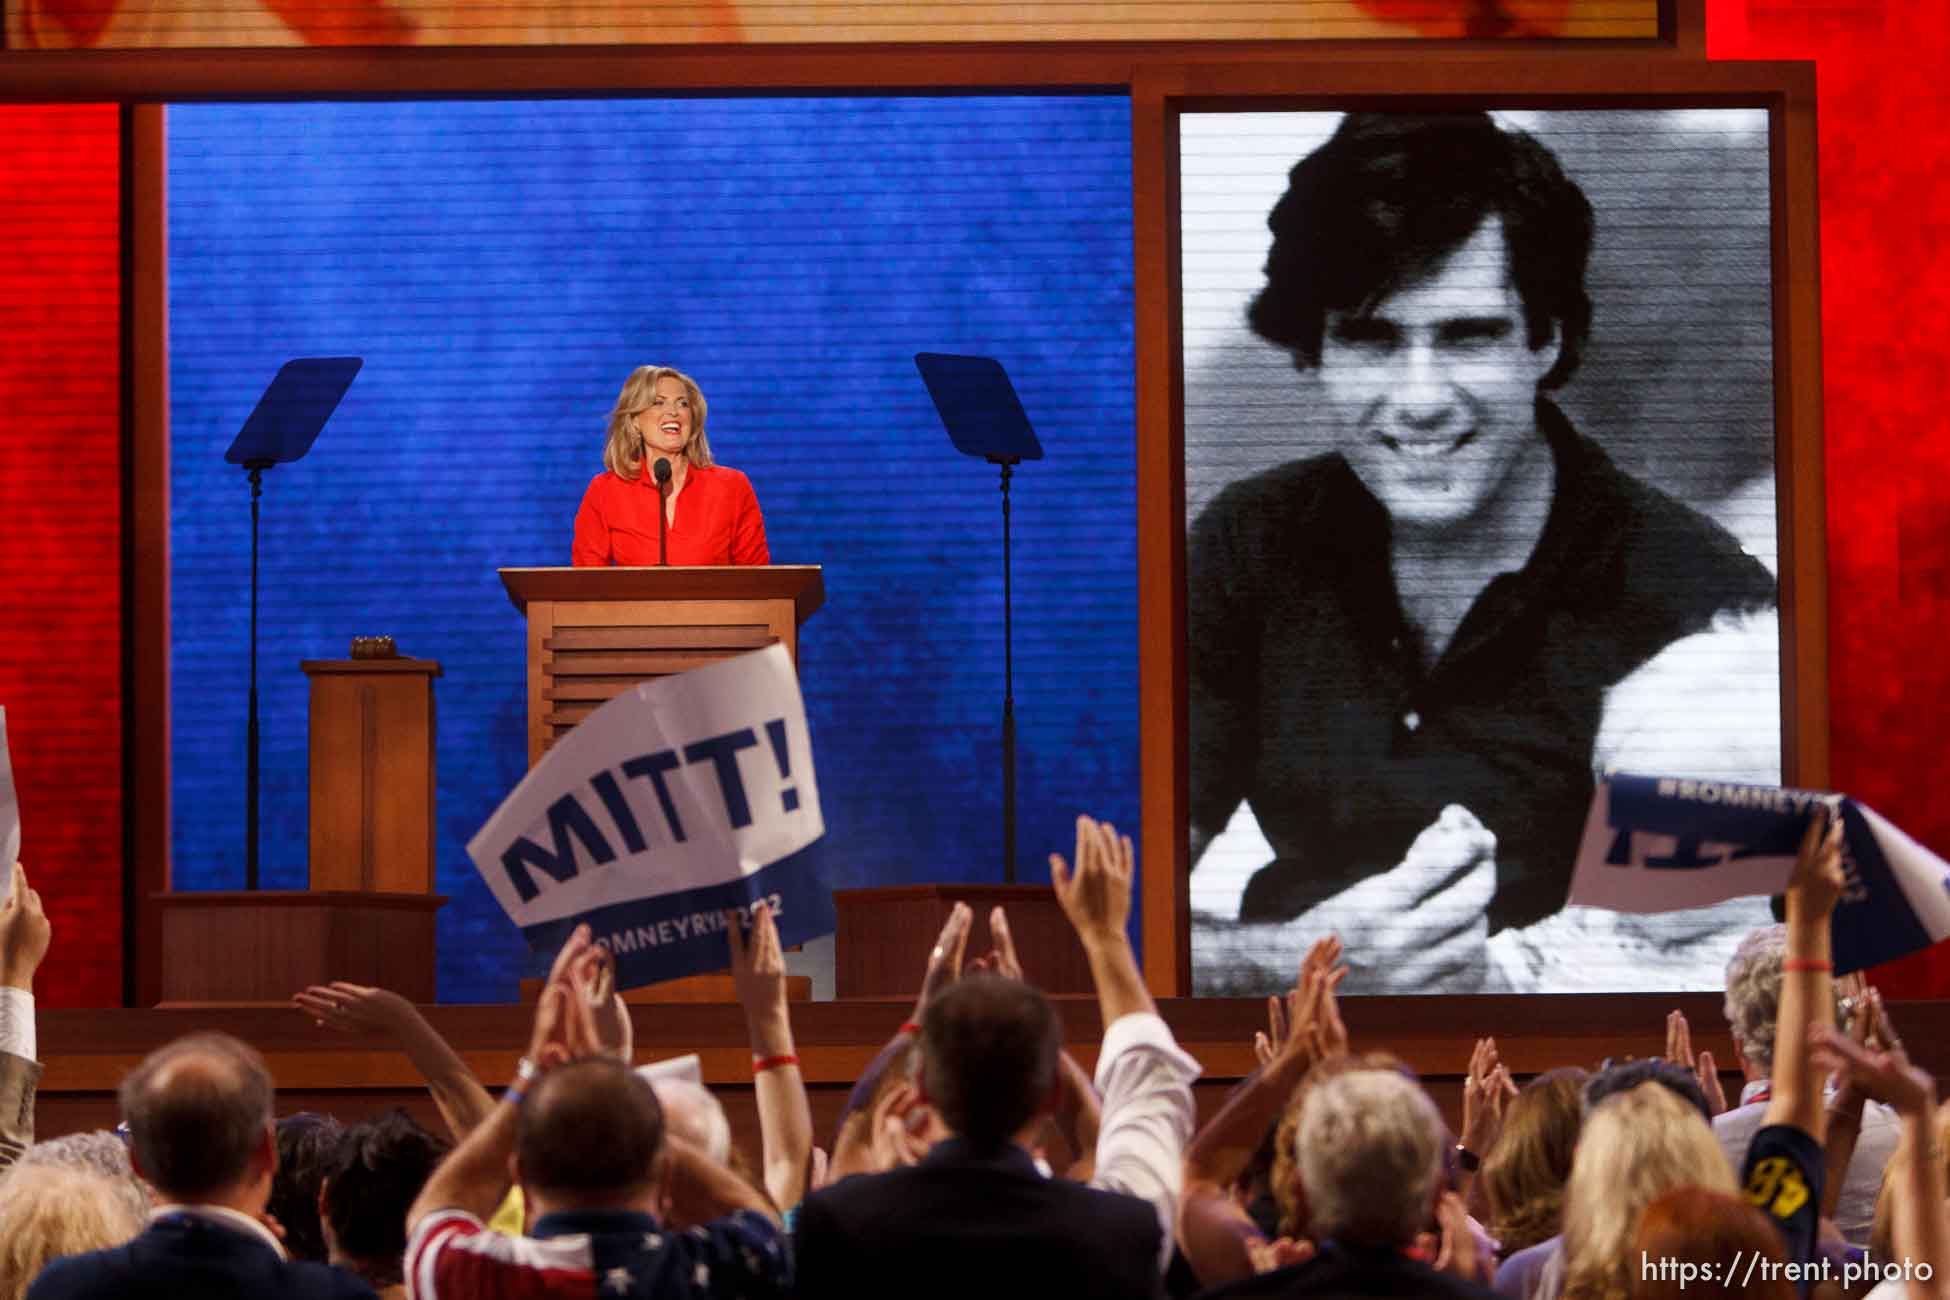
x=676, y=800
x=1660, y=844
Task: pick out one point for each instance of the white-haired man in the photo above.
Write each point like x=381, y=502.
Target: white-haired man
x=1752, y=1006
x=1369, y=1147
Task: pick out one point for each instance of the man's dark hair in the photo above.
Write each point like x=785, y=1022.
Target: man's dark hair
x=988, y=1056
x=307, y=1142
x=1391, y=194
x=197, y=1109
x=375, y=1172
x=1627, y=1075
x=590, y=1131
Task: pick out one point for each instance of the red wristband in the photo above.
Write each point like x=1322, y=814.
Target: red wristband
x=1807, y=963
x=911, y=1027
x=760, y=1064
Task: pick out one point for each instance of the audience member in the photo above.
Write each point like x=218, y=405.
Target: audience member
x=1635, y=1147
x=1690, y=1243
x=96, y=1151
x=1918, y=1212
x=1783, y=1170
x=1524, y=1172
x=1370, y=1148
x=24, y=937
x=694, y=1113
x=307, y=1143
x=48, y=1212
x=584, y=1137
x=1220, y=1237
x=1616, y=1080
x=1753, y=995
x=371, y=1180
x=784, y=1113
x=199, y=1117
x=976, y=1216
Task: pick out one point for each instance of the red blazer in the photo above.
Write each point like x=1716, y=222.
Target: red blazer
x=717, y=521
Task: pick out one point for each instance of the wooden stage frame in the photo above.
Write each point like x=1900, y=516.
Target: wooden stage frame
x=86, y=1049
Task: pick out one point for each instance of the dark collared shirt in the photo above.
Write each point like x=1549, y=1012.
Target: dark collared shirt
x=1310, y=697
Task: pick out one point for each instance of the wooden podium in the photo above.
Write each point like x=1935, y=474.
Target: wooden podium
x=369, y=913
x=593, y=633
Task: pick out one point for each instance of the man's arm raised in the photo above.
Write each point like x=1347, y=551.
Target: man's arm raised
x=1146, y=1081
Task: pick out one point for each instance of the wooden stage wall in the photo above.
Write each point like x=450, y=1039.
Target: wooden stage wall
x=87, y=1052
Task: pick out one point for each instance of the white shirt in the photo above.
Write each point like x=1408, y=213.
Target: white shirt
x=1148, y=1115
x=17, y=1023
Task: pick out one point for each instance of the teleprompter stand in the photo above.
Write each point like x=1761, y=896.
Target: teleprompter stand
x=984, y=418
x=282, y=429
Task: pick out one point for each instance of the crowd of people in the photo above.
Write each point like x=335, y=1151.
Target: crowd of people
x=975, y=1157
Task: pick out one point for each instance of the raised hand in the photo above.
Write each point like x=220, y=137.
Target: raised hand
x=1001, y=959
x=945, y=961
x=1817, y=881
x=24, y=933
x=1096, y=896
x=1486, y=1091
x=592, y=977
x=1887, y=1076
x=1306, y=1020
x=355, y=1008
x=1679, y=1050
x=757, y=959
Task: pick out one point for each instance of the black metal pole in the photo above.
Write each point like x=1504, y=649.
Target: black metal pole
x=250, y=729
x=1008, y=698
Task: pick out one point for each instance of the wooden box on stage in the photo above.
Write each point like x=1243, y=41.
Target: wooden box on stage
x=595, y=632
x=264, y=945
x=368, y=916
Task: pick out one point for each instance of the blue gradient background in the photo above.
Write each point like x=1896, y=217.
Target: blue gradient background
x=501, y=266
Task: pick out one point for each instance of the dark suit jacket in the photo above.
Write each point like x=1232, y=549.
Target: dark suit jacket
x=962, y=1223
x=181, y=1258
x=18, y=1075
x=1344, y=1271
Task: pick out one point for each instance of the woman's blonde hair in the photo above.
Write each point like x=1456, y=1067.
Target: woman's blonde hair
x=1525, y=1169
x=623, y=452
x=1634, y=1146
x=47, y=1212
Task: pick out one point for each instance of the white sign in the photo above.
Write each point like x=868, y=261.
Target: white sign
x=666, y=806
x=9, y=815
x=1661, y=844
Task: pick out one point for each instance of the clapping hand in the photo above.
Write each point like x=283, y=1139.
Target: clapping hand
x=1306, y=1021
x=1887, y=1076
x=1001, y=959
x=1486, y=1091
x=1679, y=1050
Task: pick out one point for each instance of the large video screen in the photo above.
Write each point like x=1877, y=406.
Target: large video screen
x=1479, y=467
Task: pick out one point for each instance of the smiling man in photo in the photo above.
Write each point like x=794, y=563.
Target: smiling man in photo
x=1400, y=651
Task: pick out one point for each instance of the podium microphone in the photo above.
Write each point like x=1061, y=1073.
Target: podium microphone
x=662, y=472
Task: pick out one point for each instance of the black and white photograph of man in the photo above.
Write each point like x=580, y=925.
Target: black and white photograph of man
x=1479, y=477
